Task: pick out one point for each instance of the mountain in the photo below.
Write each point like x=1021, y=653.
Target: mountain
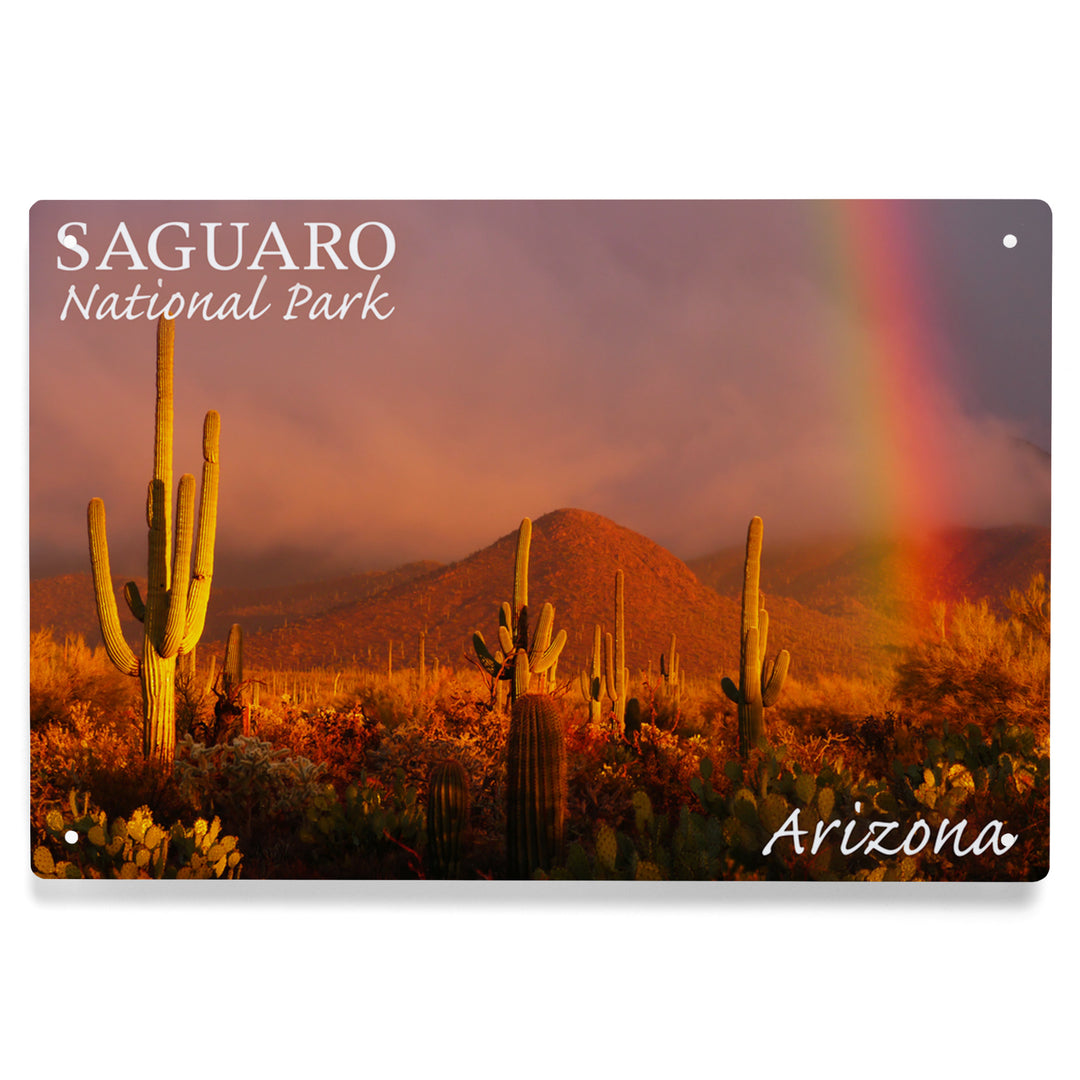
x=826, y=600
x=66, y=602
x=573, y=559
x=894, y=577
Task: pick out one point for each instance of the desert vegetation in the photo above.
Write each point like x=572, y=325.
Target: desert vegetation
x=491, y=768
x=507, y=759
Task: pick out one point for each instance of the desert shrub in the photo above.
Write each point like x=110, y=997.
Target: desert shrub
x=338, y=740
x=256, y=788
x=830, y=702
x=370, y=830
x=134, y=847
x=390, y=701
x=67, y=675
x=96, y=752
x=1031, y=608
x=973, y=788
x=981, y=668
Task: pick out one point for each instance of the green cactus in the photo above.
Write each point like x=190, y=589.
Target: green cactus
x=672, y=675
x=536, y=782
x=760, y=683
x=543, y=653
x=174, y=612
x=592, y=682
x=616, y=673
x=90, y=846
x=447, y=816
x=232, y=671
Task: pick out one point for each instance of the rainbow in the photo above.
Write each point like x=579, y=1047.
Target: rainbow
x=887, y=379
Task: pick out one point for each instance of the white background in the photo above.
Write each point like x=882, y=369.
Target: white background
x=214, y=100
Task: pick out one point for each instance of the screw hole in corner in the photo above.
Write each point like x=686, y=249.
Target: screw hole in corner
x=71, y=836
x=1009, y=240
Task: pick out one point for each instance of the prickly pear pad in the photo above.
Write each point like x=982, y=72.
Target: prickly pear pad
x=743, y=506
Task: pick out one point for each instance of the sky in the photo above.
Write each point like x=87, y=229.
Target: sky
x=676, y=366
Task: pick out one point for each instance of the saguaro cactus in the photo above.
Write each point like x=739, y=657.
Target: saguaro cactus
x=616, y=673
x=536, y=782
x=232, y=671
x=543, y=654
x=447, y=816
x=759, y=682
x=672, y=676
x=592, y=682
x=174, y=612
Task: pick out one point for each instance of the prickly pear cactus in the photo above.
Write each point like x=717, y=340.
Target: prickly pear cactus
x=606, y=847
x=83, y=843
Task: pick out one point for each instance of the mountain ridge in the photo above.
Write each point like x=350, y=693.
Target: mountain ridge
x=824, y=597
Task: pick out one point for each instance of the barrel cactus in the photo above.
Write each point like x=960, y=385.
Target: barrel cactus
x=536, y=784
x=447, y=817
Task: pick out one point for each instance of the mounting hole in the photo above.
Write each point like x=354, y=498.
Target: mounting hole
x=69, y=241
x=71, y=836
x=1009, y=240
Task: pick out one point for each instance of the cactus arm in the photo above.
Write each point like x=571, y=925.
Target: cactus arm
x=730, y=689
x=609, y=668
x=506, y=640
x=521, y=565
x=771, y=692
x=550, y=655
x=118, y=650
x=163, y=430
x=522, y=675
x=198, y=597
x=176, y=618
x=483, y=654
x=134, y=601
x=763, y=630
x=542, y=636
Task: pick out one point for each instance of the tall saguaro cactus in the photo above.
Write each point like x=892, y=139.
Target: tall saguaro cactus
x=616, y=673
x=592, y=683
x=759, y=682
x=177, y=593
x=541, y=652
